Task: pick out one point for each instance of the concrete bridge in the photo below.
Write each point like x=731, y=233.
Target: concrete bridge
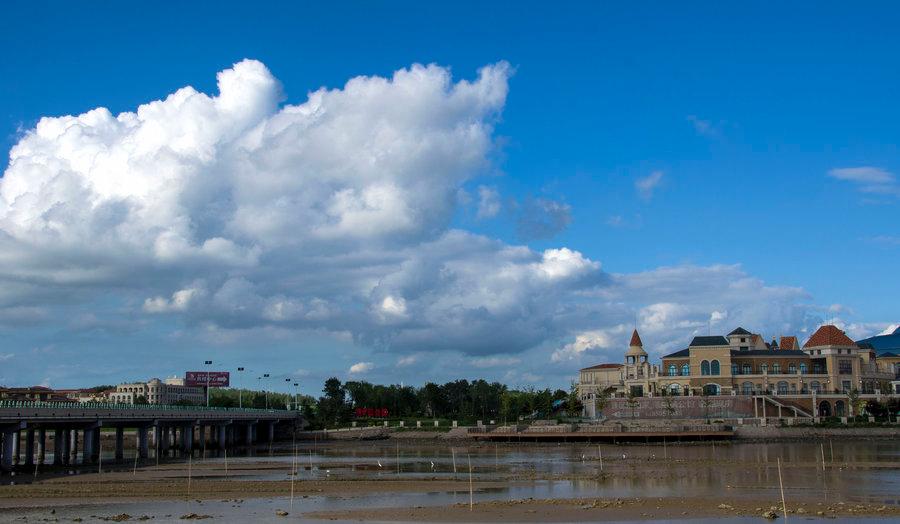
x=29, y=428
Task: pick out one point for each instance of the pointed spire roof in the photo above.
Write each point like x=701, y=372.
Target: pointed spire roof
x=636, y=339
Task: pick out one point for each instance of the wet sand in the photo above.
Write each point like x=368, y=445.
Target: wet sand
x=598, y=510
x=513, y=483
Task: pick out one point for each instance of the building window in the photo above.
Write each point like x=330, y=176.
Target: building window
x=792, y=368
x=704, y=367
x=675, y=389
x=803, y=368
x=793, y=389
x=817, y=369
x=747, y=369
x=747, y=388
x=845, y=367
x=763, y=368
x=734, y=369
x=815, y=386
x=845, y=386
x=673, y=370
x=714, y=367
x=782, y=388
x=686, y=370
x=776, y=368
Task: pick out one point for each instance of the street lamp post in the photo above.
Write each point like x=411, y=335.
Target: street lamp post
x=266, y=375
x=208, y=363
x=240, y=392
x=296, y=394
x=289, y=402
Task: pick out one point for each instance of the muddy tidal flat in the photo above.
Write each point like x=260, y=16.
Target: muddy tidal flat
x=430, y=481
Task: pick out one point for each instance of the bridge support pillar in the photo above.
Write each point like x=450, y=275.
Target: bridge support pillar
x=187, y=440
x=67, y=446
x=143, y=451
x=173, y=439
x=120, y=444
x=29, y=447
x=255, y=427
x=42, y=446
x=87, y=445
x=59, y=448
x=270, y=433
x=220, y=431
x=248, y=438
x=6, y=453
x=73, y=447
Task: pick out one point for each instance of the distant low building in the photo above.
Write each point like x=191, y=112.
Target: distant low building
x=32, y=394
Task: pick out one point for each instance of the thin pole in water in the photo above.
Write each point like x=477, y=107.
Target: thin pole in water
x=601, y=458
x=99, y=455
x=293, y=474
x=398, y=458
x=134, y=470
x=471, y=495
x=831, y=445
x=189, y=474
x=781, y=485
x=453, y=452
x=665, y=449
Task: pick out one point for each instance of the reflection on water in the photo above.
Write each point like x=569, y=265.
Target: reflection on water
x=854, y=471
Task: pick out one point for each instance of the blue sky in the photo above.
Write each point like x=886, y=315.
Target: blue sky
x=765, y=137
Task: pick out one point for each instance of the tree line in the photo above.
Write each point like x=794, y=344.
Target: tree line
x=457, y=400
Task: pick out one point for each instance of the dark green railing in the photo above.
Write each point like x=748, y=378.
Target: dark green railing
x=129, y=407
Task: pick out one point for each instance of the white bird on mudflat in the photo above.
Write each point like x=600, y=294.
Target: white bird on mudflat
x=379, y=464
x=623, y=456
x=432, y=464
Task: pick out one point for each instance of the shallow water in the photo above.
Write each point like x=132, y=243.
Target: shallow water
x=855, y=471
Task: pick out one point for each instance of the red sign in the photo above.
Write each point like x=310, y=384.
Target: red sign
x=213, y=379
x=371, y=412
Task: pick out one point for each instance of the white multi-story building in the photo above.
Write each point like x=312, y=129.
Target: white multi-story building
x=156, y=391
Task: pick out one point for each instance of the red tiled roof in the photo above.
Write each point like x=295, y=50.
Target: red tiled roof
x=636, y=339
x=603, y=366
x=829, y=335
x=789, y=343
x=754, y=338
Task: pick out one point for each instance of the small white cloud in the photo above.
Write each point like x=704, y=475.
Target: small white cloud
x=488, y=202
x=615, y=221
x=180, y=301
x=868, y=179
x=717, y=316
x=703, y=127
x=586, y=341
x=647, y=185
x=494, y=362
x=6, y=356
x=361, y=368
x=408, y=360
x=565, y=263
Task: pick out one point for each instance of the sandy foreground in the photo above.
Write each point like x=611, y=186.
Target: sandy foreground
x=587, y=510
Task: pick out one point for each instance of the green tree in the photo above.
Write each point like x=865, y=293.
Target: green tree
x=333, y=408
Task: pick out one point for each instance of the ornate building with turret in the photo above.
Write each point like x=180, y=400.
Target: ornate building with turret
x=743, y=363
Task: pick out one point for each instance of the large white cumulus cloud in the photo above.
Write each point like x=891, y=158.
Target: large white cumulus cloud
x=238, y=211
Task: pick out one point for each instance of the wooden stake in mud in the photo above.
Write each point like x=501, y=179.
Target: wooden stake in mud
x=226, y=461
x=781, y=485
x=134, y=471
x=99, y=456
x=665, y=449
x=831, y=445
x=189, y=474
x=398, y=458
x=601, y=458
x=471, y=493
x=822, y=448
x=453, y=452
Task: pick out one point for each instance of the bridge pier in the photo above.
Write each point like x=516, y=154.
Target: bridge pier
x=248, y=437
x=120, y=444
x=42, y=446
x=220, y=438
x=89, y=449
x=6, y=452
x=59, y=449
x=187, y=440
x=142, y=448
x=271, y=433
x=73, y=447
x=29, y=447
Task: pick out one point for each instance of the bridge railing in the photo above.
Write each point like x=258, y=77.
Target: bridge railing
x=37, y=404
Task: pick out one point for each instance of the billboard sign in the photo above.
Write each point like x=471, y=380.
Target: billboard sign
x=215, y=379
